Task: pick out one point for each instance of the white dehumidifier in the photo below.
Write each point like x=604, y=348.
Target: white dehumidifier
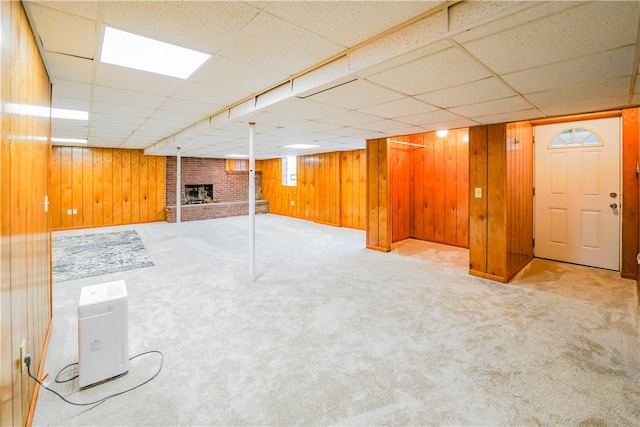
x=103, y=340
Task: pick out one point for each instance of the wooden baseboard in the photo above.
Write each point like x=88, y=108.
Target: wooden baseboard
x=378, y=248
x=488, y=276
x=38, y=374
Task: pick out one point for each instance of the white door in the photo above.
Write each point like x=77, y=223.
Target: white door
x=577, y=192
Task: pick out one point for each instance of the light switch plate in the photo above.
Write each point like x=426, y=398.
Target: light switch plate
x=478, y=193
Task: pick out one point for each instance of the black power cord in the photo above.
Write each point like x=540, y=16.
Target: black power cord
x=27, y=361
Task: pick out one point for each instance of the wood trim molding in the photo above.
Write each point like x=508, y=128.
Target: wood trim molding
x=488, y=276
x=577, y=117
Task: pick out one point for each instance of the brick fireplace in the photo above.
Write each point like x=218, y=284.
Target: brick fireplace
x=218, y=193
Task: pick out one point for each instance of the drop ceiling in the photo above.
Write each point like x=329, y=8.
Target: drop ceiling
x=334, y=73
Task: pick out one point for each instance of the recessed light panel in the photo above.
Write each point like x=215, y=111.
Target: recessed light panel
x=142, y=53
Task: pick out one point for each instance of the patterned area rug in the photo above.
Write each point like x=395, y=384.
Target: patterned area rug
x=87, y=255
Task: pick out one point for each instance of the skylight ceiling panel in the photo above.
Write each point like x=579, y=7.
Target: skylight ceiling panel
x=70, y=67
x=356, y=95
x=221, y=71
x=272, y=43
x=65, y=33
x=130, y=79
x=444, y=69
x=598, y=67
x=306, y=109
x=470, y=93
x=127, y=97
x=581, y=93
x=199, y=25
x=589, y=28
x=399, y=108
x=349, y=23
x=217, y=95
x=514, y=103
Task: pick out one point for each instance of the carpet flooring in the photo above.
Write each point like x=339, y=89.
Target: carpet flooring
x=331, y=333
x=86, y=255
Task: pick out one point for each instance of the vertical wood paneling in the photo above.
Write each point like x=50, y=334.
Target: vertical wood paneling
x=462, y=187
x=478, y=205
x=107, y=186
x=496, y=200
x=400, y=159
x=98, y=186
x=450, y=187
x=428, y=204
x=418, y=201
x=519, y=200
x=325, y=192
x=25, y=162
x=439, y=171
x=100, y=174
x=630, y=193
x=373, y=199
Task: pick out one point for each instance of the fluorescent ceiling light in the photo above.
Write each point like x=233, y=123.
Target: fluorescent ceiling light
x=69, y=140
x=301, y=146
x=142, y=53
x=40, y=111
x=237, y=156
x=442, y=133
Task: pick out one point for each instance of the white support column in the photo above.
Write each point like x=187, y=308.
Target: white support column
x=178, y=189
x=252, y=204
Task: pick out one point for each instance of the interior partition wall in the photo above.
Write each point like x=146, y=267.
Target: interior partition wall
x=25, y=227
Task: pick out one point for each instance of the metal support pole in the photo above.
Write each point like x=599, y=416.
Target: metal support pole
x=178, y=189
x=252, y=204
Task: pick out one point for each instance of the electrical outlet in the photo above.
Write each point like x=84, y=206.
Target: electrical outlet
x=478, y=192
x=75, y=211
x=69, y=211
x=23, y=348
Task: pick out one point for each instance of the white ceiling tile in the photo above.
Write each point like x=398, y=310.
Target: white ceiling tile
x=567, y=34
x=191, y=107
x=349, y=22
x=514, y=103
x=115, y=125
x=511, y=116
x=135, y=80
x=454, y=124
x=283, y=47
x=580, y=93
x=306, y=109
x=71, y=89
x=426, y=74
x=70, y=103
x=116, y=118
x=200, y=25
x=410, y=130
x=591, y=105
x=350, y=118
x=598, y=67
x=355, y=94
x=426, y=119
x=120, y=110
x=85, y=9
x=64, y=33
x=384, y=126
x=217, y=95
x=470, y=93
x=127, y=97
x=70, y=67
x=226, y=72
x=269, y=119
x=399, y=108
x=474, y=26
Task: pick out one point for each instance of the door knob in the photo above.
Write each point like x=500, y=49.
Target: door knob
x=613, y=205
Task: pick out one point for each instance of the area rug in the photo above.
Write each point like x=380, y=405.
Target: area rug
x=87, y=255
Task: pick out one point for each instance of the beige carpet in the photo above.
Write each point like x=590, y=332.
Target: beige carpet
x=334, y=334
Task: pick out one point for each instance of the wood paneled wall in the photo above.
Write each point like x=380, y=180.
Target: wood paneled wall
x=330, y=188
x=25, y=230
x=519, y=196
x=378, y=195
x=630, y=195
x=402, y=185
x=505, y=183
x=105, y=186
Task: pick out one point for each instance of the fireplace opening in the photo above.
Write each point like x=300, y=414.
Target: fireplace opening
x=198, y=194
